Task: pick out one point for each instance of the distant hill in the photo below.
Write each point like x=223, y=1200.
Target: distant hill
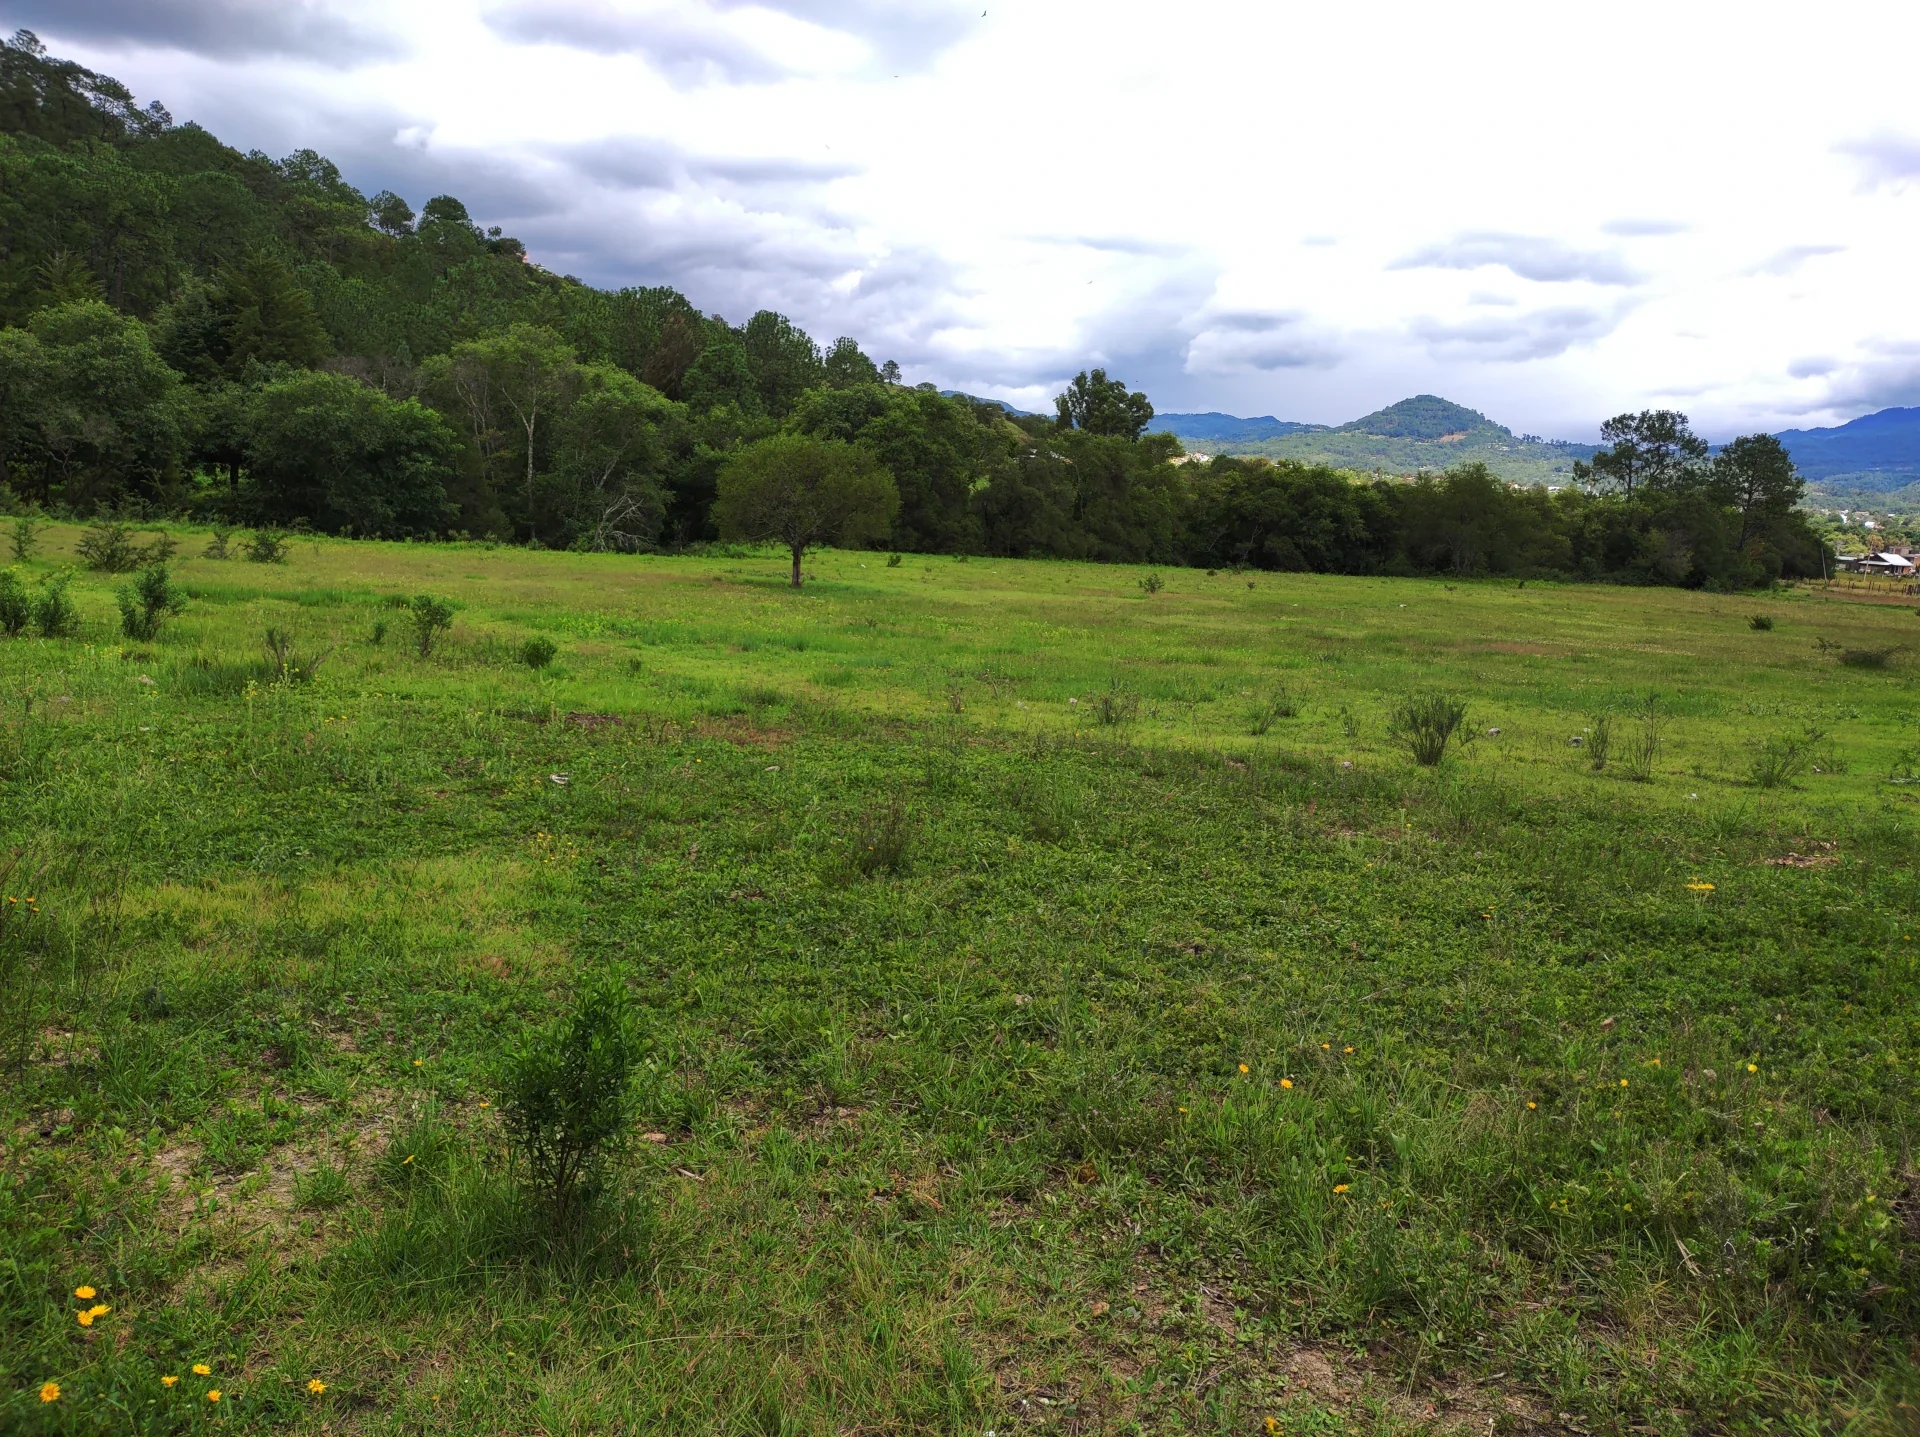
x=1873, y=458
x=976, y=399
x=1424, y=432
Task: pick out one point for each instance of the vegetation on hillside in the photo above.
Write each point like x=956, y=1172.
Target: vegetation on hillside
x=194, y=331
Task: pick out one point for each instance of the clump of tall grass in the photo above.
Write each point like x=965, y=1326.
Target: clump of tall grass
x=1425, y=724
x=1116, y=706
x=1779, y=760
x=883, y=840
x=285, y=665
x=1762, y=623
x=1279, y=704
x=1640, y=747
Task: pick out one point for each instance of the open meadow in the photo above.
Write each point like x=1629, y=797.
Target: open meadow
x=1063, y=1004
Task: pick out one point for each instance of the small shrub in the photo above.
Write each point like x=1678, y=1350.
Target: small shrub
x=431, y=617
x=538, y=651
x=893, y=561
x=268, y=546
x=289, y=667
x=25, y=537
x=883, y=840
x=1425, y=724
x=1152, y=583
x=1278, y=705
x=564, y=1095
x=1868, y=658
x=55, y=616
x=1763, y=623
x=108, y=548
x=16, y=606
x=217, y=546
x=1116, y=705
x=146, y=603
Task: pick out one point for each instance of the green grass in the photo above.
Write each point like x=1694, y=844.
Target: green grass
x=1044, y=1031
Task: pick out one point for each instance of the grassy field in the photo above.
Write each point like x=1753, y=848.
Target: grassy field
x=1066, y=1007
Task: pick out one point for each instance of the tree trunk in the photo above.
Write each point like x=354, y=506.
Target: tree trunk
x=797, y=551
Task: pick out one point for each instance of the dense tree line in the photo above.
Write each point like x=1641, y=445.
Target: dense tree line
x=195, y=330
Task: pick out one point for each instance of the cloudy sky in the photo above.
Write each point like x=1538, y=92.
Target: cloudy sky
x=1550, y=213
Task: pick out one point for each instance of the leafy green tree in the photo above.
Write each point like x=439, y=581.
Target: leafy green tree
x=390, y=214
x=23, y=372
x=937, y=449
x=723, y=374
x=1654, y=449
x=61, y=102
x=784, y=361
x=108, y=415
x=1100, y=405
x=1288, y=516
x=804, y=492
x=266, y=318
x=846, y=367
x=610, y=453
x=509, y=390
x=1755, y=475
x=330, y=450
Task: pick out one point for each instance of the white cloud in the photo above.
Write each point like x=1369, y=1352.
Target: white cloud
x=997, y=201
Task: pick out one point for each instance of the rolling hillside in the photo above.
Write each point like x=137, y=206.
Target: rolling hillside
x=1874, y=459
x=1424, y=432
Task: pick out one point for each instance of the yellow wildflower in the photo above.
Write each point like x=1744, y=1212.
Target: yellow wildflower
x=1341, y=1187
x=316, y=1386
x=1244, y=1068
x=1286, y=1082
x=1753, y=1068
x=1623, y=1082
x=1347, y=1049
x=168, y=1381
x=1532, y=1106
x=85, y=1317
x=200, y=1369
x=84, y=1293
x=49, y=1391
x=1700, y=887
x=213, y=1394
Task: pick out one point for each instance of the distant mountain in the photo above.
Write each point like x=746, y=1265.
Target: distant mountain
x=976, y=399
x=1226, y=428
x=1874, y=455
x=1424, y=432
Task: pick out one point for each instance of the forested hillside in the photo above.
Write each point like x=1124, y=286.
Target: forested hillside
x=195, y=331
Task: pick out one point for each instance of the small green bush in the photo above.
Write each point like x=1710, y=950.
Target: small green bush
x=1425, y=724
x=1152, y=583
x=55, y=616
x=1763, y=623
x=217, y=546
x=538, y=651
x=431, y=617
x=565, y=1096
x=893, y=561
x=108, y=548
x=1600, y=740
x=25, y=537
x=146, y=603
x=268, y=546
x=16, y=606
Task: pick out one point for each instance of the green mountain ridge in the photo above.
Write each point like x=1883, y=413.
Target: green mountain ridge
x=1422, y=433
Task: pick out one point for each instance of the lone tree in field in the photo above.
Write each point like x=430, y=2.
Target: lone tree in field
x=804, y=492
